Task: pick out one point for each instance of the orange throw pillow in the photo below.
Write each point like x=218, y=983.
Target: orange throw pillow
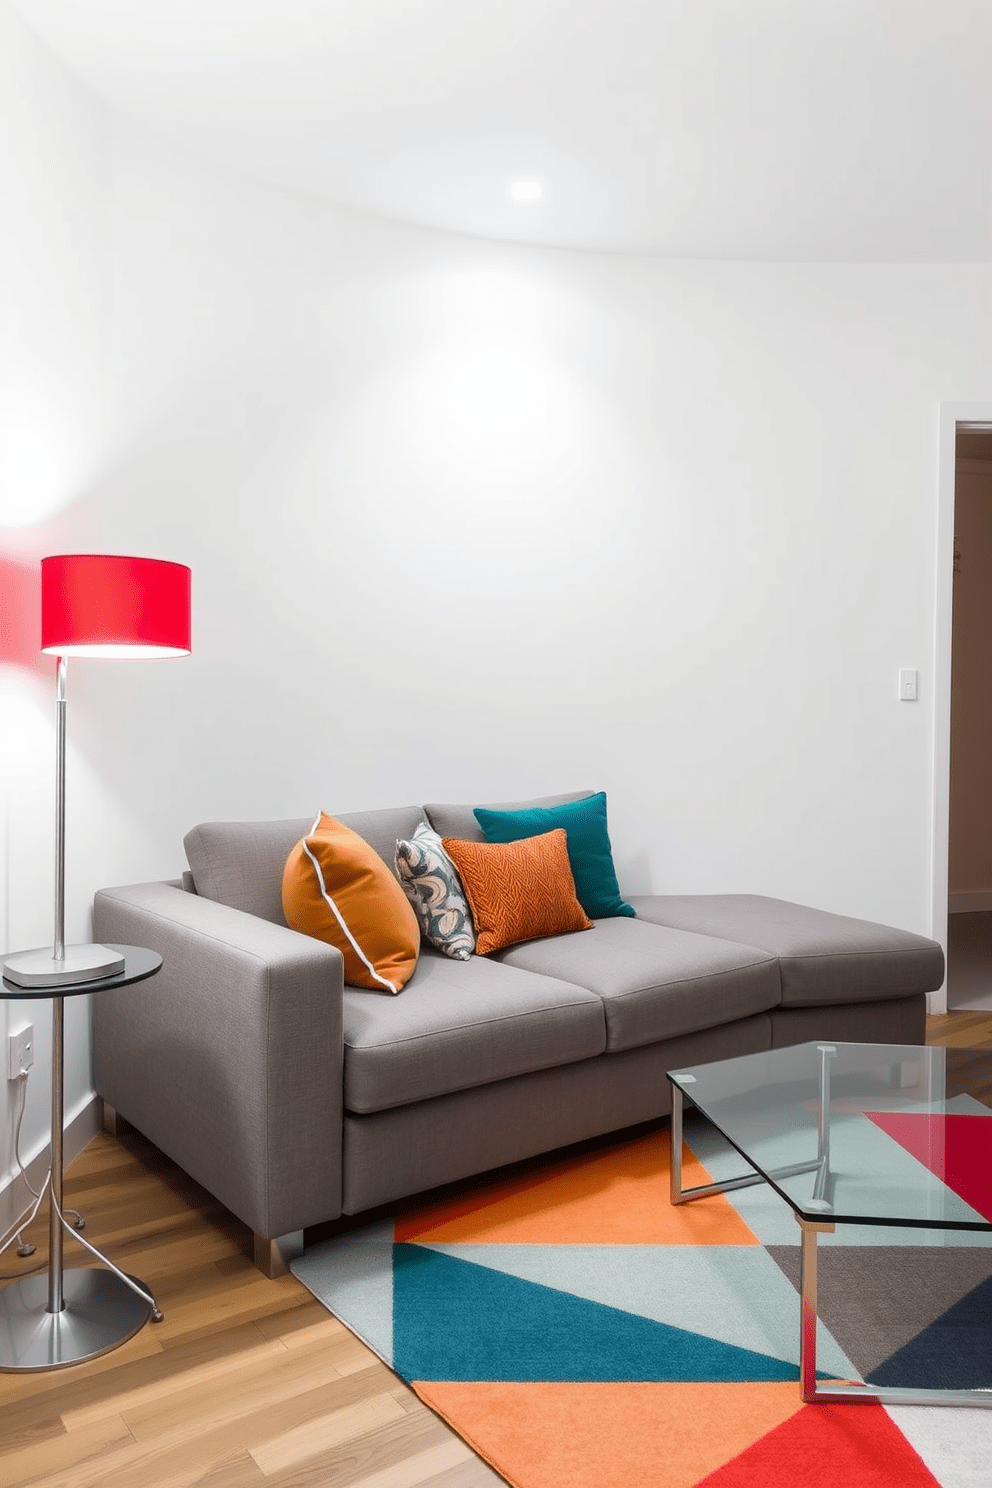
x=518, y=890
x=337, y=888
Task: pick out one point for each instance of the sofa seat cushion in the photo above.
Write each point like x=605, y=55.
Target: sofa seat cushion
x=655, y=982
x=823, y=957
x=460, y=1024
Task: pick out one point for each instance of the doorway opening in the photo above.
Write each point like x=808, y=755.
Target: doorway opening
x=969, y=837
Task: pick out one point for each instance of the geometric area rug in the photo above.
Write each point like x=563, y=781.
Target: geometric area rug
x=579, y=1332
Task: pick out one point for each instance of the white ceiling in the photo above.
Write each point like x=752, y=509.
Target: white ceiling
x=770, y=129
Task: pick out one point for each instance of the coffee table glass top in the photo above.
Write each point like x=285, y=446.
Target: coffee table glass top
x=885, y=1134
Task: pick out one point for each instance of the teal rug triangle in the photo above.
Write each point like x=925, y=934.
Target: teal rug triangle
x=453, y=1320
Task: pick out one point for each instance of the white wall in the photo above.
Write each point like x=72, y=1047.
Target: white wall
x=476, y=521
x=54, y=315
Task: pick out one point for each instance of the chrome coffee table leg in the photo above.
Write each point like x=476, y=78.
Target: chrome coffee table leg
x=680, y=1195
x=855, y=1390
x=807, y=1304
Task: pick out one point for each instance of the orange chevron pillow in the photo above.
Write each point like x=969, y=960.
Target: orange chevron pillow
x=337, y=888
x=518, y=890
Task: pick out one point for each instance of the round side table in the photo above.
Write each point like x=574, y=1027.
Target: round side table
x=49, y=1323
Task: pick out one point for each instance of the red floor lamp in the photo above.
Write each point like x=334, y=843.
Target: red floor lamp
x=98, y=605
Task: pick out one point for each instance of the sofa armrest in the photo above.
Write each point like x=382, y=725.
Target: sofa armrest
x=230, y=1059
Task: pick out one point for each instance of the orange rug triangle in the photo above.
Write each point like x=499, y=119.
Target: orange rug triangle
x=829, y=1446
x=612, y=1435
x=619, y=1196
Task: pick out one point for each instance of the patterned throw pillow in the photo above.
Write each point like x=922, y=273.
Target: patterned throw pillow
x=431, y=883
x=518, y=890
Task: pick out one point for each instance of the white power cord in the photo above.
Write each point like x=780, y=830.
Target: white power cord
x=80, y=1222
x=21, y=1224
x=14, y=1233
x=25, y=1248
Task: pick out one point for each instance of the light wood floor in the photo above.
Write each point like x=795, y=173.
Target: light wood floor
x=247, y=1381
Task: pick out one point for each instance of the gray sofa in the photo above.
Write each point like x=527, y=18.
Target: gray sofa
x=295, y=1099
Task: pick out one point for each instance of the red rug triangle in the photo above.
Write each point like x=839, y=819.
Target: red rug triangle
x=958, y=1149
x=828, y=1446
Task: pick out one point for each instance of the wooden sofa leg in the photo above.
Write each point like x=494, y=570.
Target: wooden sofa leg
x=273, y=1256
x=114, y=1122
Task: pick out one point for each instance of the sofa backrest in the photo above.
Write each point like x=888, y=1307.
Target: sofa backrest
x=460, y=822
x=241, y=863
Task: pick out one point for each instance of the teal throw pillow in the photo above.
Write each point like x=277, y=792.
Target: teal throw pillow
x=589, y=850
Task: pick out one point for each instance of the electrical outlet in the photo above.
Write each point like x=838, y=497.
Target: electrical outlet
x=20, y=1052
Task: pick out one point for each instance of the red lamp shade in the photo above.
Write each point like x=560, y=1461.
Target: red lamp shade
x=97, y=604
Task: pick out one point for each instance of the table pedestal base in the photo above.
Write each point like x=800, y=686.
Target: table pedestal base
x=100, y=1312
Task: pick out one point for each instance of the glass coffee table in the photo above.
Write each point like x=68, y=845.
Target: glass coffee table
x=862, y=1134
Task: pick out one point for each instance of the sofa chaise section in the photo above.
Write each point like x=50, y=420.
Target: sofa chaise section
x=840, y=977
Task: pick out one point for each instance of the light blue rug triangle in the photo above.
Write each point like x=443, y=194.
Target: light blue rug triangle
x=735, y=1295
x=352, y=1275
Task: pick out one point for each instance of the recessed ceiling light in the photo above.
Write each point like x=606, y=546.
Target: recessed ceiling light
x=525, y=191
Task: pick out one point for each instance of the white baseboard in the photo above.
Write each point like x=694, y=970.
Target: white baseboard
x=15, y=1196
x=970, y=902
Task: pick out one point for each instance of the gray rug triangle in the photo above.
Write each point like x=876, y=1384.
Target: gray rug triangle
x=875, y=1299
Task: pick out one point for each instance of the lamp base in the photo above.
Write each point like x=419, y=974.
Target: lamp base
x=100, y=1312
x=81, y=963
